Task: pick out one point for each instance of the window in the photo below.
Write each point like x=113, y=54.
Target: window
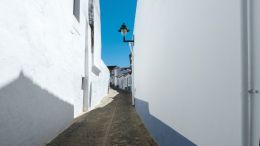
x=76, y=9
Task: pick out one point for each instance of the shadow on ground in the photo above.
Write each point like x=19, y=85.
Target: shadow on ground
x=116, y=124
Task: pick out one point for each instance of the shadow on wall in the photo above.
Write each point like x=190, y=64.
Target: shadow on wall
x=30, y=115
x=163, y=134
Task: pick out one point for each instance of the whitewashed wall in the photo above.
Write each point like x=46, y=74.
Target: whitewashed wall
x=120, y=82
x=42, y=62
x=100, y=85
x=188, y=71
x=116, y=74
x=125, y=82
x=99, y=82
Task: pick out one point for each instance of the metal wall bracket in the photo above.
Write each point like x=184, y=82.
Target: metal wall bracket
x=253, y=91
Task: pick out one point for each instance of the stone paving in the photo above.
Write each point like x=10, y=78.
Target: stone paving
x=113, y=123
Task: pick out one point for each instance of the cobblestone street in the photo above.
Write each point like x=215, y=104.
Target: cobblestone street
x=113, y=123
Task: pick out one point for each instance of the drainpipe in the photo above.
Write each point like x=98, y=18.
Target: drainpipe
x=131, y=46
x=248, y=66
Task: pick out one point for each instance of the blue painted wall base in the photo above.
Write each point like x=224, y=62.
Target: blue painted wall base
x=163, y=134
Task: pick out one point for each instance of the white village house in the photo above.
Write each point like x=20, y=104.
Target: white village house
x=50, y=67
x=199, y=84
x=125, y=82
x=121, y=78
x=113, y=75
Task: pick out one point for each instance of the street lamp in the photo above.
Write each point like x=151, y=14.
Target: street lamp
x=124, y=30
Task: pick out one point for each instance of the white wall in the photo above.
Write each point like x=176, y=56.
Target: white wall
x=121, y=82
x=188, y=71
x=31, y=115
x=99, y=85
x=40, y=38
x=116, y=74
x=126, y=81
x=42, y=61
x=98, y=81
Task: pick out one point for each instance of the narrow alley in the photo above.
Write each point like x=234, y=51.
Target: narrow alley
x=130, y=73
x=112, y=123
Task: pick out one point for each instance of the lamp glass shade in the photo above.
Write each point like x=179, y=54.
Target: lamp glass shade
x=123, y=29
x=123, y=32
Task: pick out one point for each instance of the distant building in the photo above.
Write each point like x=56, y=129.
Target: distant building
x=125, y=82
x=121, y=78
x=111, y=68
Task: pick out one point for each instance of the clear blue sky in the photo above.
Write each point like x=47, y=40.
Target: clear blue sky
x=113, y=14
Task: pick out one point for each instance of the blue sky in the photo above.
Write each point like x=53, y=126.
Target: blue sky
x=113, y=14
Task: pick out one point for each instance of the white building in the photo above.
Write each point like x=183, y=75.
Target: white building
x=125, y=82
x=194, y=62
x=113, y=76
x=121, y=78
x=46, y=48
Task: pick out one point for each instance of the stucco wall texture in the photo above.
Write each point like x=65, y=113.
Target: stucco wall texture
x=189, y=89
x=42, y=62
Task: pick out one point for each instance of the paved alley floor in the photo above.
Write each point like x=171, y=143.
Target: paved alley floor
x=113, y=123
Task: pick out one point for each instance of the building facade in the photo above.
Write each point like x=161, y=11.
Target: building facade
x=121, y=78
x=194, y=63
x=112, y=70
x=51, y=67
x=124, y=82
